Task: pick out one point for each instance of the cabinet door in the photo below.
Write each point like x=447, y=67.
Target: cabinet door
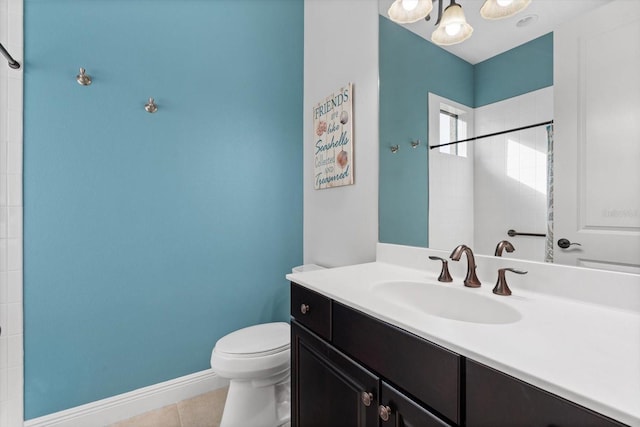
x=397, y=410
x=426, y=371
x=327, y=388
x=495, y=399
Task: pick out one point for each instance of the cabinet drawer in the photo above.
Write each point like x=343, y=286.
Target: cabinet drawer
x=495, y=399
x=428, y=372
x=312, y=310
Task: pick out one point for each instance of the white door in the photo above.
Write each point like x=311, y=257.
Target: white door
x=597, y=138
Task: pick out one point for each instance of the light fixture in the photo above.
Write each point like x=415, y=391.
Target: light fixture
x=409, y=11
x=499, y=9
x=453, y=27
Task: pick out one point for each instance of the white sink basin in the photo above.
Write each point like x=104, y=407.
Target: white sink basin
x=462, y=304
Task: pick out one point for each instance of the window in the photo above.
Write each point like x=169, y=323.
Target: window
x=452, y=128
x=450, y=121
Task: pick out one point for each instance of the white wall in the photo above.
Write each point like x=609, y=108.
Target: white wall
x=450, y=212
x=11, y=347
x=510, y=174
x=341, y=46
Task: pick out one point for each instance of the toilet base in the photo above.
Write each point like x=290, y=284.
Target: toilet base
x=251, y=404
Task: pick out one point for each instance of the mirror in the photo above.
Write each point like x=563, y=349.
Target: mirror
x=500, y=79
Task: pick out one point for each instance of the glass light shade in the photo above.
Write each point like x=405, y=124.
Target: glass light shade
x=410, y=13
x=411, y=4
x=491, y=9
x=453, y=27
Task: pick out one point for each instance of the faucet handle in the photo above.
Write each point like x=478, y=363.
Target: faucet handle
x=501, y=287
x=444, y=274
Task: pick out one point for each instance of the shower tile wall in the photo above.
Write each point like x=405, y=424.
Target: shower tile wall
x=510, y=174
x=11, y=342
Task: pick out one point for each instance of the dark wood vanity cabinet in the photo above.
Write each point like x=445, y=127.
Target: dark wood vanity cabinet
x=328, y=389
x=495, y=399
x=351, y=369
x=430, y=373
x=347, y=374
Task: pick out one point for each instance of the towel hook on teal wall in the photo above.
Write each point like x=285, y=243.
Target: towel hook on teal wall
x=83, y=78
x=151, y=106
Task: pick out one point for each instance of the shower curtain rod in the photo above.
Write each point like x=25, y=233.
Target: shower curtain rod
x=12, y=62
x=431, y=147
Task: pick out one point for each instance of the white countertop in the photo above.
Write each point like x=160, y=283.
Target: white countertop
x=585, y=352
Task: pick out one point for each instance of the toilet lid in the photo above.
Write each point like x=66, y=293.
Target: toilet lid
x=267, y=338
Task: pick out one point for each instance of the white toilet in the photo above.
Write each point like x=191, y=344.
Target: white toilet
x=256, y=360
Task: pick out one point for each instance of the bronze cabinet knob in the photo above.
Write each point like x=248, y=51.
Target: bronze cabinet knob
x=384, y=412
x=367, y=398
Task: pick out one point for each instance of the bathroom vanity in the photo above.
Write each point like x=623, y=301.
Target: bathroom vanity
x=365, y=354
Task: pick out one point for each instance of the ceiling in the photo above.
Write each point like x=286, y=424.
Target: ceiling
x=493, y=37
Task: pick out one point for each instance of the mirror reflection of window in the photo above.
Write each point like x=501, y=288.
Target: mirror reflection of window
x=450, y=213
x=452, y=128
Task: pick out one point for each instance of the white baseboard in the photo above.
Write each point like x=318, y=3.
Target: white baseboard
x=123, y=406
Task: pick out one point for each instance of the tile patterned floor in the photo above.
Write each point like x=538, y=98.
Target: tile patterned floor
x=201, y=411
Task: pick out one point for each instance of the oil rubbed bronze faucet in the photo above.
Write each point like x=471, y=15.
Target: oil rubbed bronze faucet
x=504, y=245
x=501, y=287
x=471, y=280
x=444, y=273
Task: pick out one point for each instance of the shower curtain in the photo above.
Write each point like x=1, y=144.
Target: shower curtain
x=548, y=252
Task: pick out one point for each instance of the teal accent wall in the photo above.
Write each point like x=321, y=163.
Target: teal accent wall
x=521, y=70
x=410, y=68
x=149, y=236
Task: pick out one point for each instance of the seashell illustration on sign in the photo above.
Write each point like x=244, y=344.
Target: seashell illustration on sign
x=322, y=128
x=342, y=159
x=332, y=139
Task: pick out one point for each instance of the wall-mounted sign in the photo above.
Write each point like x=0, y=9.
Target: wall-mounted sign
x=333, y=142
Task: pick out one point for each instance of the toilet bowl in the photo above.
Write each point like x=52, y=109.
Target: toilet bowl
x=256, y=360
